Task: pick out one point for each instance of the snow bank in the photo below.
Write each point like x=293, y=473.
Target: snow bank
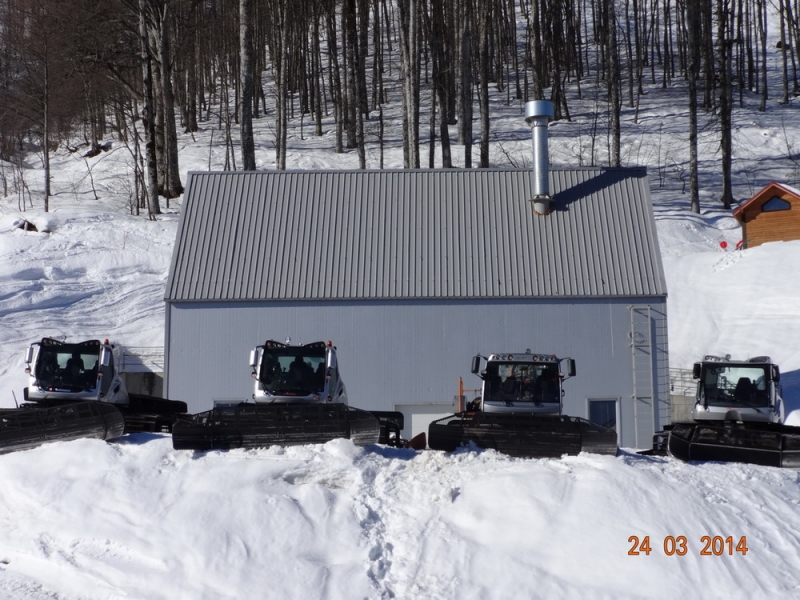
x=138, y=519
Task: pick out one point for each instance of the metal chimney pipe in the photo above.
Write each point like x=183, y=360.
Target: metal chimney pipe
x=537, y=114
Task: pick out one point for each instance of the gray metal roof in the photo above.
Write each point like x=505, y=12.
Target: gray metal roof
x=402, y=234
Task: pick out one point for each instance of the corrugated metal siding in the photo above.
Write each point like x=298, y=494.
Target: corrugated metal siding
x=433, y=234
x=411, y=352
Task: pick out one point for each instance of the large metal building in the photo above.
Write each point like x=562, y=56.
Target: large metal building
x=412, y=272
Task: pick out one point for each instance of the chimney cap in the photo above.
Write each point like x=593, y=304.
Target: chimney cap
x=538, y=108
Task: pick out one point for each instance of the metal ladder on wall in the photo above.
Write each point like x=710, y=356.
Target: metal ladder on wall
x=641, y=342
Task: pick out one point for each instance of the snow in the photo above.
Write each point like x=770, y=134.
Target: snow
x=135, y=518
x=139, y=519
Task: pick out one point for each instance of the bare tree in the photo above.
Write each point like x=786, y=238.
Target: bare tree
x=170, y=185
x=246, y=74
x=465, y=85
x=88, y=61
x=725, y=98
x=279, y=42
x=409, y=66
x=761, y=10
x=612, y=82
x=42, y=90
x=693, y=35
x=153, y=206
x=484, y=14
x=434, y=24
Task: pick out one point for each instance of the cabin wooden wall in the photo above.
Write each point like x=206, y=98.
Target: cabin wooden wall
x=781, y=225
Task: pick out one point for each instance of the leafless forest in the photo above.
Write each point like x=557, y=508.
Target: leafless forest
x=139, y=69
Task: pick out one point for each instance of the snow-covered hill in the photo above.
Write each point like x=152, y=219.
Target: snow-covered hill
x=136, y=519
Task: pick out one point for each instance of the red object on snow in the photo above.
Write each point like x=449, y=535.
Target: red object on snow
x=723, y=244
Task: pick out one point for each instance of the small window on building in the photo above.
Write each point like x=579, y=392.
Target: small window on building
x=603, y=412
x=774, y=204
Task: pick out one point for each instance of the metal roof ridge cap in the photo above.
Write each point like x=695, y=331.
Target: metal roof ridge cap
x=292, y=299
x=262, y=172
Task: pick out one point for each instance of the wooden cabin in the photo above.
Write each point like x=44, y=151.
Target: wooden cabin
x=771, y=215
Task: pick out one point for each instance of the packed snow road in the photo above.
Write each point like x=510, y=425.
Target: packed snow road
x=88, y=519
